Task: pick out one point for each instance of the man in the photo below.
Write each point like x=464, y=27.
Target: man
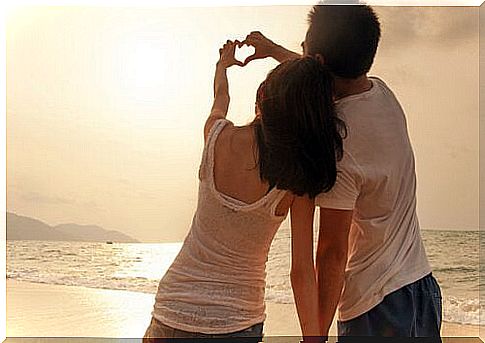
x=371, y=260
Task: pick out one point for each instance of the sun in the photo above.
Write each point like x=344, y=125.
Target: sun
x=144, y=69
x=148, y=60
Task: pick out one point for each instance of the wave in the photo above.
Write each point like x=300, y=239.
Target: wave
x=456, y=310
x=463, y=310
x=132, y=284
x=459, y=269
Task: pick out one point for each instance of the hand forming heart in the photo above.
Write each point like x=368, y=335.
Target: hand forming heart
x=243, y=52
x=263, y=47
x=255, y=46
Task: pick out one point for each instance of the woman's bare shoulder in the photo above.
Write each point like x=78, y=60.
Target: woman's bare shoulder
x=236, y=138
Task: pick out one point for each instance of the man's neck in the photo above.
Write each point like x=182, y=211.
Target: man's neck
x=346, y=87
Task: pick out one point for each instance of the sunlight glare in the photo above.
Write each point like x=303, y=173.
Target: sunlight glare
x=144, y=74
x=145, y=64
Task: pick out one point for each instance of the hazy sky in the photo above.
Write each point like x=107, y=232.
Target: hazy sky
x=105, y=107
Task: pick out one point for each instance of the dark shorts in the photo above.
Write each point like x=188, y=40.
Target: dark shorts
x=414, y=310
x=158, y=332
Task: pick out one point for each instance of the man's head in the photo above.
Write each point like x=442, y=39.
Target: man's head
x=345, y=37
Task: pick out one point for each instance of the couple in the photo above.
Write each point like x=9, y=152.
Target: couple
x=324, y=135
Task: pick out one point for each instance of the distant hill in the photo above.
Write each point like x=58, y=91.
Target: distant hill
x=93, y=233
x=26, y=228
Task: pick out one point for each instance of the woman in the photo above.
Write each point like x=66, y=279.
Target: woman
x=250, y=177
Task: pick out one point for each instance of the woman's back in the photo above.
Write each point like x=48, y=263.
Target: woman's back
x=216, y=283
x=236, y=172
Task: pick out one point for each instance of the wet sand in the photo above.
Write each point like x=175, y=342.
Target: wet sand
x=42, y=310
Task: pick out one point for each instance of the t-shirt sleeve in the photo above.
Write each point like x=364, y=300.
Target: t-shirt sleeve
x=346, y=190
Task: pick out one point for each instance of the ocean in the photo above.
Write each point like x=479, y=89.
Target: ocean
x=454, y=257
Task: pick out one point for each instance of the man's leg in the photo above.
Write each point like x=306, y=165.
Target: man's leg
x=393, y=317
x=429, y=311
x=412, y=311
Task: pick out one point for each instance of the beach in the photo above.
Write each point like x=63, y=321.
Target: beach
x=44, y=310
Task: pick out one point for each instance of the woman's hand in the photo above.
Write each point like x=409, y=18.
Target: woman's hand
x=265, y=47
x=227, y=55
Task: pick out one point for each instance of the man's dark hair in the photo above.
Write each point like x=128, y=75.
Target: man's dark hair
x=346, y=36
x=298, y=134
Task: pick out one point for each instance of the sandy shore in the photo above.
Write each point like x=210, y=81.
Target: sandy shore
x=41, y=310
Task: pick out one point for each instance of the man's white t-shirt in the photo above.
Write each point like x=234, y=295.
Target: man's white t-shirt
x=377, y=180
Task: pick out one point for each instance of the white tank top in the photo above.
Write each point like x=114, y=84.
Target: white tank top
x=216, y=283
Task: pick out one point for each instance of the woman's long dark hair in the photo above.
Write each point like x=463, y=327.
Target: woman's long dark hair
x=298, y=134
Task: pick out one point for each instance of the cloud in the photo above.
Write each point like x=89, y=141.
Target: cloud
x=124, y=181
x=45, y=199
x=443, y=26
x=38, y=198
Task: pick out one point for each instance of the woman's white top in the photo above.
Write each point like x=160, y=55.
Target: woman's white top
x=216, y=283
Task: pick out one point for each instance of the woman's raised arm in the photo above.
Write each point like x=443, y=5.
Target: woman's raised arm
x=221, y=85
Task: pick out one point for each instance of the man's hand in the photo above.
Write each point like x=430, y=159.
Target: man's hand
x=263, y=47
x=227, y=54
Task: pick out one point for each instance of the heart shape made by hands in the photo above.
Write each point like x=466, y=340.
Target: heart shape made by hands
x=243, y=52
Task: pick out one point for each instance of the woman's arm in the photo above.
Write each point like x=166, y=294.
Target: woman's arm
x=332, y=250
x=221, y=84
x=303, y=275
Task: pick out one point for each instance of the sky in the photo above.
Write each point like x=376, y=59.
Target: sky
x=105, y=107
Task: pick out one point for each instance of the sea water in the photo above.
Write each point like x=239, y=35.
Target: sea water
x=454, y=257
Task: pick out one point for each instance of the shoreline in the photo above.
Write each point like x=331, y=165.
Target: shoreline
x=45, y=310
